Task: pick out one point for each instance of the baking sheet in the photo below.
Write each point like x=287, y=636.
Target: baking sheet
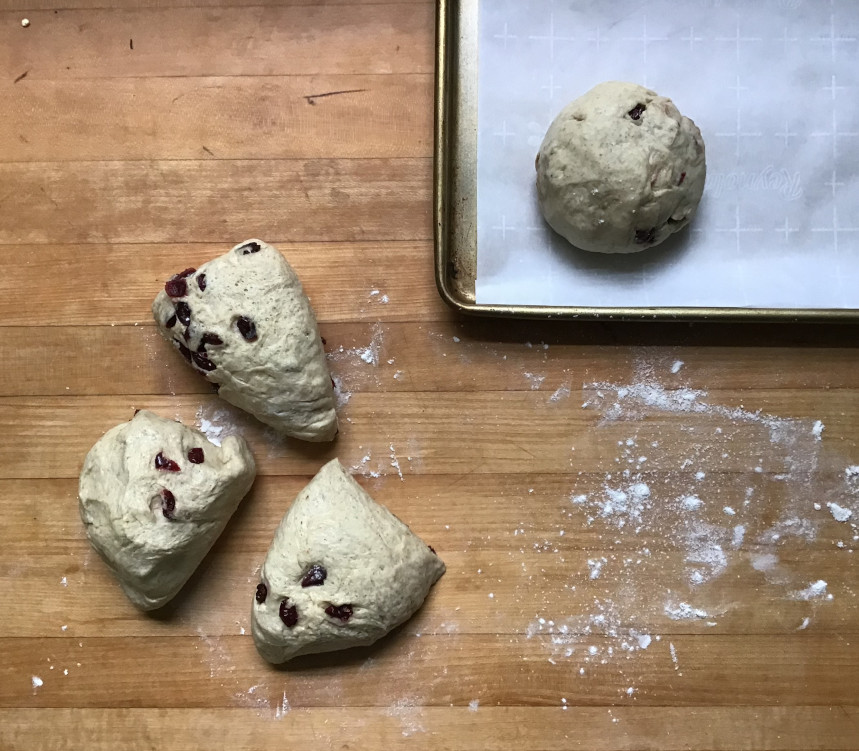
x=774, y=87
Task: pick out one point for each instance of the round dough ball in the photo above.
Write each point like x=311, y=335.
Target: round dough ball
x=620, y=169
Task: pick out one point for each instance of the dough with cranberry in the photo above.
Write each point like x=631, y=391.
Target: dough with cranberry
x=154, y=496
x=620, y=169
x=342, y=571
x=243, y=321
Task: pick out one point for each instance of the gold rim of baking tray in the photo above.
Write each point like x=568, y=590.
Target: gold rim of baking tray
x=455, y=197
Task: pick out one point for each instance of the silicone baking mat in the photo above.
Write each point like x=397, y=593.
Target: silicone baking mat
x=774, y=87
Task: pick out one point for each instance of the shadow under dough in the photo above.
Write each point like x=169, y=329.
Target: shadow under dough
x=599, y=265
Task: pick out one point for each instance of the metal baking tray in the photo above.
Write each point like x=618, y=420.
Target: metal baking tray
x=455, y=198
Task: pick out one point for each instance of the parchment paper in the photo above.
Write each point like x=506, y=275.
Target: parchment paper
x=774, y=87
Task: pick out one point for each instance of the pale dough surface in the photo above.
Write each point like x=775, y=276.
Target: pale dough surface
x=620, y=169
x=125, y=508
x=373, y=562
x=280, y=376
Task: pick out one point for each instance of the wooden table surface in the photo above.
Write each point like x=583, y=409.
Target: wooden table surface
x=627, y=513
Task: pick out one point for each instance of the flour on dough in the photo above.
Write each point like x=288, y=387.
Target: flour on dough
x=341, y=572
x=154, y=496
x=620, y=169
x=243, y=321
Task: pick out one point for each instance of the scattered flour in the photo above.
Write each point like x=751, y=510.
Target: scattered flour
x=216, y=423
x=683, y=611
x=596, y=565
x=473, y=705
x=342, y=395
x=375, y=293
x=764, y=561
x=839, y=513
x=283, y=708
x=678, y=364
x=409, y=713
x=535, y=380
x=368, y=354
x=37, y=682
x=814, y=591
x=817, y=429
x=362, y=467
x=562, y=392
x=704, y=553
x=691, y=502
x=395, y=463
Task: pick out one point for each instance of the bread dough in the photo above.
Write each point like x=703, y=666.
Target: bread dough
x=154, y=496
x=244, y=322
x=620, y=169
x=341, y=572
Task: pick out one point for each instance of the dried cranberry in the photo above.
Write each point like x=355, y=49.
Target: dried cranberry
x=247, y=328
x=183, y=312
x=201, y=282
x=636, y=112
x=323, y=340
x=249, y=248
x=288, y=613
x=202, y=362
x=186, y=273
x=171, y=322
x=341, y=612
x=186, y=353
x=645, y=236
x=209, y=338
x=432, y=549
x=315, y=576
x=196, y=456
x=682, y=178
x=186, y=334
x=262, y=593
x=168, y=465
x=176, y=288
x=168, y=503
x=136, y=411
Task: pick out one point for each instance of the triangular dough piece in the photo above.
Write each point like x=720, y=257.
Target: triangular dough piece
x=342, y=571
x=154, y=496
x=243, y=321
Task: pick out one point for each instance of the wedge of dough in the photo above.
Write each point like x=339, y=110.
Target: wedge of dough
x=243, y=321
x=154, y=497
x=342, y=571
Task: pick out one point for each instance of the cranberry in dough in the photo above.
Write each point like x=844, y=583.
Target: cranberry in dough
x=342, y=571
x=154, y=497
x=242, y=320
x=620, y=169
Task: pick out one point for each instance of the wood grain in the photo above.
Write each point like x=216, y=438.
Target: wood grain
x=271, y=117
x=140, y=137
x=483, y=433
x=496, y=543
x=752, y=728
x=97, y=285
x=206, y=201
x=215, y=38
x=497, y=669
x=471, y=364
